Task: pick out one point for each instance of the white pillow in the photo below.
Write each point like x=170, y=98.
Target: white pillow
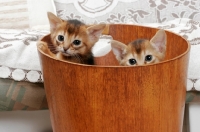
x=38, y=13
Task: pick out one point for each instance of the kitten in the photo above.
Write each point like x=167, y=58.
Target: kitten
x=141, y=51
x=73, y=40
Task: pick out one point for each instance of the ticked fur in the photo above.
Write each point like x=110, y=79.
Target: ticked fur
x=73, y=40
x=141, y=51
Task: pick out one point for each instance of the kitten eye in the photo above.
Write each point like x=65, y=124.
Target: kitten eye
x=132, y=61
x=61, y=38
x=76, y=42
x=148, y=58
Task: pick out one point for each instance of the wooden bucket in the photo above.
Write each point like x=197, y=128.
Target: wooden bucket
x=110, y=98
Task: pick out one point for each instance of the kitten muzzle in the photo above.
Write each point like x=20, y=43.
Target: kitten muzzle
x=66, y=54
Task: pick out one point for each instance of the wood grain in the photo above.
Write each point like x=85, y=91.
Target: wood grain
x=110, y=98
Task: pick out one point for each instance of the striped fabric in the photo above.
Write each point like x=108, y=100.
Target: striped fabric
x=14, y=14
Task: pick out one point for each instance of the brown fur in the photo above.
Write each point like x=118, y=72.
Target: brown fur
x=73, y=31
x=141, y=49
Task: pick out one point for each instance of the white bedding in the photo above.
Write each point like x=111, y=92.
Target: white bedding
x=18, y=55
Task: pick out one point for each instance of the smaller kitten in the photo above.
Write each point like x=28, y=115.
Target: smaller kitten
x=72, y=40
x=141, y=51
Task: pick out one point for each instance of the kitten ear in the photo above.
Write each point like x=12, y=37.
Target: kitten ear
x=159, y=40
x=119, y=49
x=53, y=20
x=95, y=32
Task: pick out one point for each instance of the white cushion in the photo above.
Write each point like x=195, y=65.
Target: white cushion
x=38, y=13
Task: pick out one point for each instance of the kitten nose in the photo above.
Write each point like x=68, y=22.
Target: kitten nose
x=65, y=49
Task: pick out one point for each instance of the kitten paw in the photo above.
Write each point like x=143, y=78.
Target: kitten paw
x=45, y=49
x=42, y=46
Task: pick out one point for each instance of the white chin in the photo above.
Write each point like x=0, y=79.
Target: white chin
x=65, y=54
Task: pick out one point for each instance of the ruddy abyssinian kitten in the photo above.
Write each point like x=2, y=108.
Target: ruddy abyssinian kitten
x=141, y=51
x=73, y=40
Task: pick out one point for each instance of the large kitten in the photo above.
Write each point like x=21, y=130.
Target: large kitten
x=73, y=40
x=141, y=51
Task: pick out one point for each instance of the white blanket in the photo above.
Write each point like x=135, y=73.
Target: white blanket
x=19, y=59
x=18, y=55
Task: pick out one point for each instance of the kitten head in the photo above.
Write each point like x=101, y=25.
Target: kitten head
x=141, y=51
x=73, y=37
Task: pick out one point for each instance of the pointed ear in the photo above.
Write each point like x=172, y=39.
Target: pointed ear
x=95, y=31
x=54, y=21
x=119, y=49
x=159, y=40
